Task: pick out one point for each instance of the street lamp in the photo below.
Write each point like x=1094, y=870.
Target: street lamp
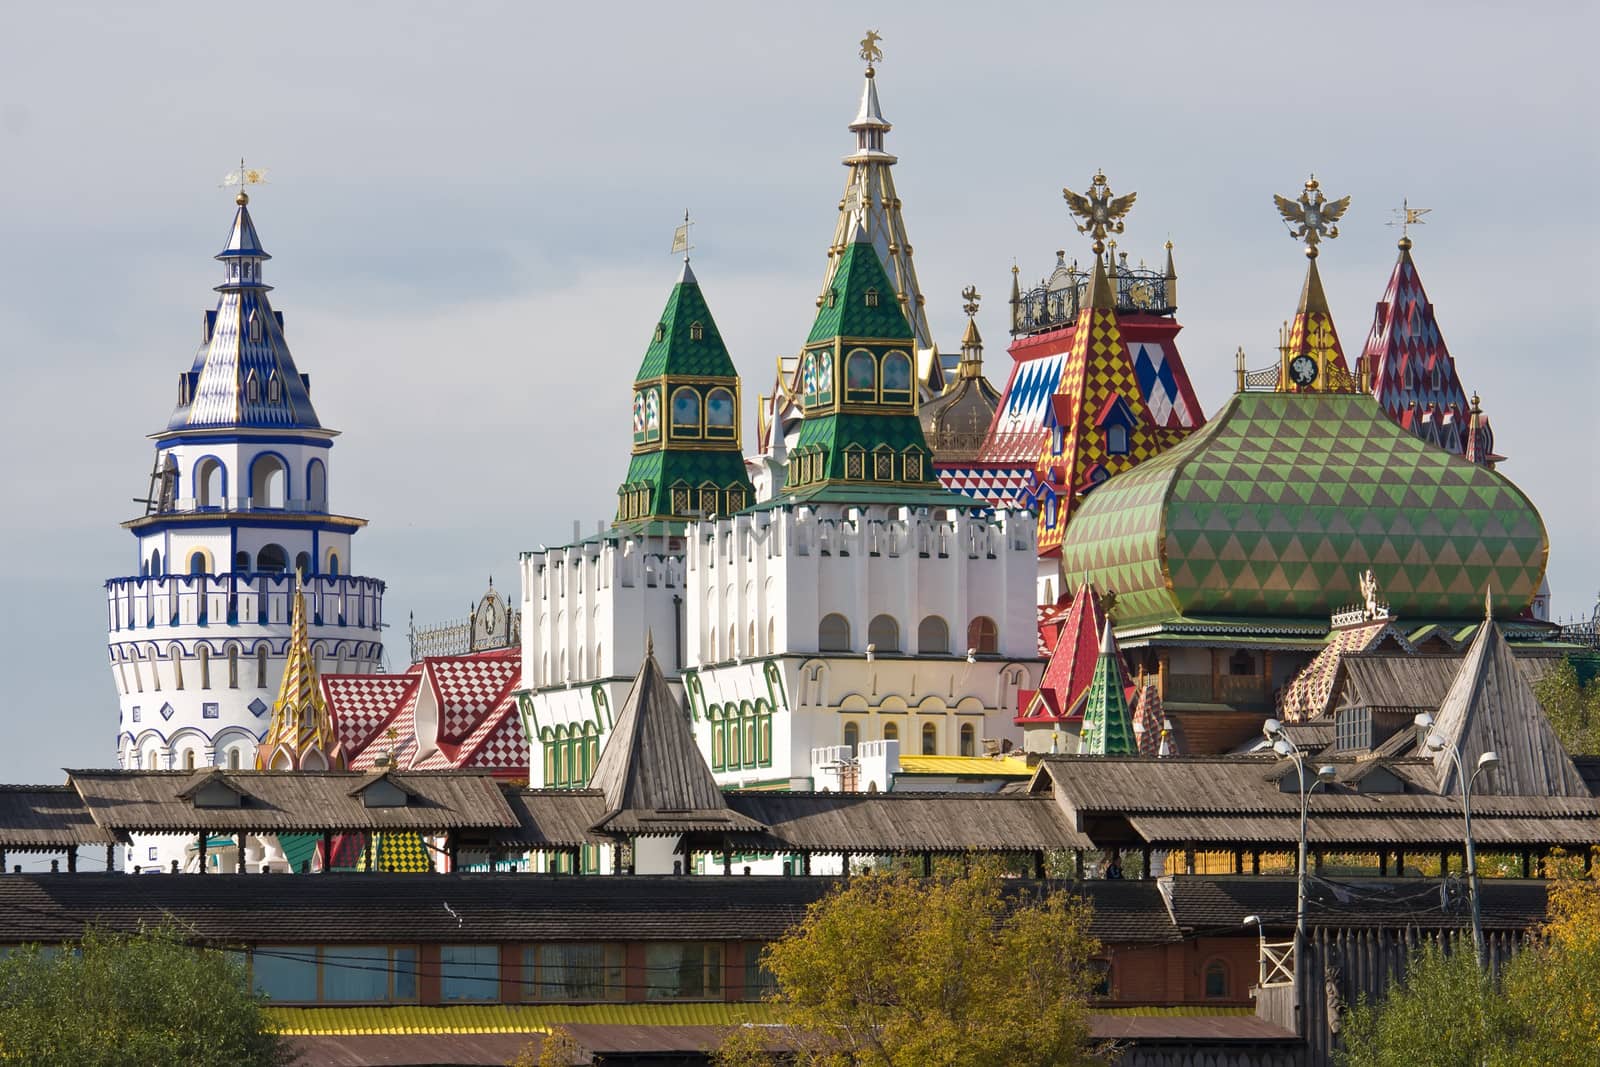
x=1283, y=746
x=1438, y=742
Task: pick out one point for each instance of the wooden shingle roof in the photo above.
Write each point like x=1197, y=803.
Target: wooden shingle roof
x=46, y=818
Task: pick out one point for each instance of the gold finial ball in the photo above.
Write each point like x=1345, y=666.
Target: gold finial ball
x=1311, y=251
x=1405, y=244
x=870, y=72
x=242, y=199
x=1312, y=184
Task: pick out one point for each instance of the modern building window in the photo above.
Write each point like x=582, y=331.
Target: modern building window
x=883, y=632
x=833, y=634
x=930, y=739
x=933, y=637
x=573, y=972
x=286, y=973
x=469, y=972
x=759, y=983
x=983, y=636
x=689, y=971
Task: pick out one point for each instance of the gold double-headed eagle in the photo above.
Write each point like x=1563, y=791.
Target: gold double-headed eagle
x=1101, y=212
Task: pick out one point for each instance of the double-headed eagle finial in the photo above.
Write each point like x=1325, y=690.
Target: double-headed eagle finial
x=971, y=296
x=1312, y=216
x=1101, y=213
x=870, y=50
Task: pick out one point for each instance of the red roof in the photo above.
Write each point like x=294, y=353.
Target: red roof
x=1071, y=667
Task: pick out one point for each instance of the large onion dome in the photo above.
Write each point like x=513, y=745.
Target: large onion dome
x=1275, y=504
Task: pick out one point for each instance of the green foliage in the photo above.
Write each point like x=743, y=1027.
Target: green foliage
x=1545, y=1011
x=146, y=998
x=1573, y=707
x=892, y=970
x=558, y=1048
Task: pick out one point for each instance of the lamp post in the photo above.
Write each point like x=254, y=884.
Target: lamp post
x=1438, y=742
x=1283, y=746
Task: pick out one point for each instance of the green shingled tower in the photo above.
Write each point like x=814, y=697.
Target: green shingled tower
x=686, y=456
x=861, y=438
x=1107, y=722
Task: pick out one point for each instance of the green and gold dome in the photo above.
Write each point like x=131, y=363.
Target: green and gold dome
x=1280, y=499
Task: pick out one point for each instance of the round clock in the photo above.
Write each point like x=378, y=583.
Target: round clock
x=1302, y=370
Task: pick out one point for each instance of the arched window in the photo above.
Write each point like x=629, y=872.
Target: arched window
x=272, y=559
x=733, y=639
x=719, y=413
x=750, y=640
x=209, y=483
x=685, y=413
x=861, y=377
x=897, y=378
x=151, y=760
x=1216, y=980
x=891, y=731
x=599, y=671
x=333, y=563
x=233, y=666
x=1117, y=439
x=933, y=637
x=884, y=633
x=718, y=757
x=317, y=485
x=930, y=739
x=261, y=666
x=155, y=563
x=852, y=736
x=188, y=760
x=983, y=636
x=241, y=562
x=833, y=634
x=205, y=667
x=269, y=483
x=969, y=740
x=197, y=562
x=772, y=635
x=302, y=563
x=233, y=759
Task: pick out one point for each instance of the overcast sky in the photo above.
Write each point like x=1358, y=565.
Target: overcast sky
x=470, y=208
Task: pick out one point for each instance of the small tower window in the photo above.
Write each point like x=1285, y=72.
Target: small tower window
x=255, y=327
x=1117, y=439
x=832, y=298
x=883, y=464
x=871, y=298
x=252, y=389
x=697, y=332
x=274, y=389
x=661, y=331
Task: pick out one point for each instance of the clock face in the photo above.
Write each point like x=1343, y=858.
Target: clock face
x=1303, y=370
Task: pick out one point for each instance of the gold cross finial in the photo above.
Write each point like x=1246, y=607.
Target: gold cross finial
x=1312, y=216
x=870, y=50
x=971, y=295
x=1100, y=211
x=242, y=177
x=1405, y=217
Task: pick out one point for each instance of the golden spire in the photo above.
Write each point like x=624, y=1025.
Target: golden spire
x=1313, y=360
x=971, y=365
x=300, y=735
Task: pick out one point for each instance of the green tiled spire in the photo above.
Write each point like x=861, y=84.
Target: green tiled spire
x=858, y=386
x=1107, y=722
x=686, y=455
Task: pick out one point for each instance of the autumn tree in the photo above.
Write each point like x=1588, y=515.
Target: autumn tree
x=893, y=970
x=145, y=998
x=1572, y=705
x=1543, y=1012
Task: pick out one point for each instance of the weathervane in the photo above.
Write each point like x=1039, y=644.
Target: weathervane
x=1100, y=212
x=242, y=177
x=1405, y=217
x=971, y=295
x=1312, y=216
x=680, y=238
x=870, y=50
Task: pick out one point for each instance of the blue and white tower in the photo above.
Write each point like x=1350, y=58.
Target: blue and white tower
x=238, y=503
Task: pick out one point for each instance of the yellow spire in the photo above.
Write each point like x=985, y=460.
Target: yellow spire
x=1313, y=360
x=300, y=735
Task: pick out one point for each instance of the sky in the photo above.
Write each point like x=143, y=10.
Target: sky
x=470, y=207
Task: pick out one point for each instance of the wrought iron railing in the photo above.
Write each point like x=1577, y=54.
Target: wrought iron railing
x=1051, y=307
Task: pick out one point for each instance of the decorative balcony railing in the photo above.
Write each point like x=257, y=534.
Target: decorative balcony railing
x=144, y=603
x=1050, y=307
x=1244, y=691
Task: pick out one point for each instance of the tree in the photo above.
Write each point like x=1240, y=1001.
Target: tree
x=1572, y=705
x=146, y=998
x=558, y=1048
x=1543, y=1012
x=892, y=970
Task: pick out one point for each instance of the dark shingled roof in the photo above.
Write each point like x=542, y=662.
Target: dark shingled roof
x=909, y=822
x=46, y=818
x=653, y=777
x=162, y=801
x=1220, y=904
x=554, y=818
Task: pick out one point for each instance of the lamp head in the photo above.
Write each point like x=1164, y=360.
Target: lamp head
x=1252, y=920
x=1272, y=727
x=1423, y=719
x=1489, y=760
x=1282, y=747
x=1326, y=773
x=1436, y=742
